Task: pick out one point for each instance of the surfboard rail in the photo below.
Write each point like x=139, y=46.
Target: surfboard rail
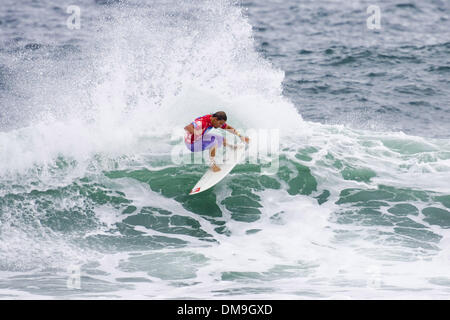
x=211, y=178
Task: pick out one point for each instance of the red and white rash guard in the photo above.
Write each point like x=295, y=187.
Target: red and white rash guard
x=205, y=124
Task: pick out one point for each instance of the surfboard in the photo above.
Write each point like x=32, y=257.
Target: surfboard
x=211, y=178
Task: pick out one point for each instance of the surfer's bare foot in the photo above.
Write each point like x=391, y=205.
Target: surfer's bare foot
x=213, y=165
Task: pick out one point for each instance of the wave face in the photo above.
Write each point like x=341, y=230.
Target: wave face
x=89, y=187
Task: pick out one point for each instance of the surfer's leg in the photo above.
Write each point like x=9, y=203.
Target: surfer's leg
x=212, y=154
x=212, y=142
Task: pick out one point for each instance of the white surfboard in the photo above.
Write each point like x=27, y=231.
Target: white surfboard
x=211, y=178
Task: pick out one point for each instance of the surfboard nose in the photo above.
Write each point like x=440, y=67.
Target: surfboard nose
x=195, y=190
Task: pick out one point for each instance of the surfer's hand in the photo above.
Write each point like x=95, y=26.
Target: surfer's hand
x=245, y=139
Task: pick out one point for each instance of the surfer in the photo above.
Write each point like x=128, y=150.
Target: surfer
x=197, y=137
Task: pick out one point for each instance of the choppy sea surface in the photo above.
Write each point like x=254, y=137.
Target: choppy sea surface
x=354, y=201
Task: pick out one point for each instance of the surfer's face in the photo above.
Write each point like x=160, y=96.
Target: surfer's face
x=217, y=123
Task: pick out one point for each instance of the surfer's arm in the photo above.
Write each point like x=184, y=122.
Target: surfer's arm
x=189, y=128
x=192, y=130
x=234, y=131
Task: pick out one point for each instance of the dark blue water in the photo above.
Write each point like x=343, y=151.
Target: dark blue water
x=395, y=78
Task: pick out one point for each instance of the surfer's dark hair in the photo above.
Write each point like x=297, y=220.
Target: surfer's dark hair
x=220, y=115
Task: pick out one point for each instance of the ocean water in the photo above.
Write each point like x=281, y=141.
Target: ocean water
x=93, y=204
